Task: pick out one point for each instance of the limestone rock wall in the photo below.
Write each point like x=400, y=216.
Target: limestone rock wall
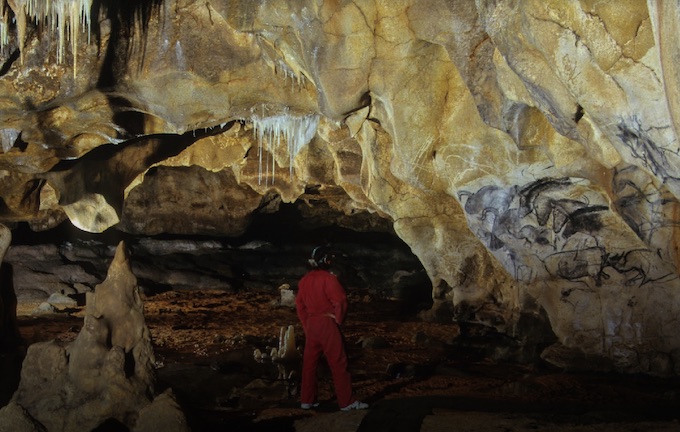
x=525, y=150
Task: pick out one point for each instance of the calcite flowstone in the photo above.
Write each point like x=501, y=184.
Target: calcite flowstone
x=106, y=374
x=527, y=151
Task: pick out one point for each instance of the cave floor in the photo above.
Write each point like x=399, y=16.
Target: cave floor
x=420, y=381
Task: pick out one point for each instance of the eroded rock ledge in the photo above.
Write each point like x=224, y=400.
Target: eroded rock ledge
x=526, y=151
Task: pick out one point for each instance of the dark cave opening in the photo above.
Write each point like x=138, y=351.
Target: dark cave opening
x=272, y=252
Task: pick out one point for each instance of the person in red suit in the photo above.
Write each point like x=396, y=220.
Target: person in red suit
x=321, y=305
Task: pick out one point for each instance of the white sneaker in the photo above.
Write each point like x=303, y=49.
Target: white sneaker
x=356, y=405
x=306, y=406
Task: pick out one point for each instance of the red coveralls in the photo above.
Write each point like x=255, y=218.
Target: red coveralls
x=319, y=296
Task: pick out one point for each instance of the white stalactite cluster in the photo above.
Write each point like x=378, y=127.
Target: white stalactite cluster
x=298, y=79
x=66, y=18
x=4, y=24
x=296, y=131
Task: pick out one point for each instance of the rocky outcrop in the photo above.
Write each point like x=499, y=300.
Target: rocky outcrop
x=526, y=151
x=105, y=375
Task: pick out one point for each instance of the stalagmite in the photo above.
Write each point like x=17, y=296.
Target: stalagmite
x=287, y=349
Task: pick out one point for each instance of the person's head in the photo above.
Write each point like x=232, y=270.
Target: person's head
x=321, y=257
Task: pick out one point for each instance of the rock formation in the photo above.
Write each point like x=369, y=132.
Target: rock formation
x=105, y=375
x=526, y=151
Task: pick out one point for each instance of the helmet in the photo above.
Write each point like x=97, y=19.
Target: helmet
x=321, y=257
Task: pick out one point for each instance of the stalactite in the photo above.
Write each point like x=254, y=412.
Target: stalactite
x=67, y=18
x=297, y=131
x=298, y=79
x=4, y=25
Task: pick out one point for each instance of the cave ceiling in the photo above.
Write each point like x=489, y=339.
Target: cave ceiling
x=526, y=151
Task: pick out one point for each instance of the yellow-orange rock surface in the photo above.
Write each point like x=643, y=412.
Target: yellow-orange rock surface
x=526, y=151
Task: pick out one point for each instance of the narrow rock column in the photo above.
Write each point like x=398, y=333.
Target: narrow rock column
x=106, y=375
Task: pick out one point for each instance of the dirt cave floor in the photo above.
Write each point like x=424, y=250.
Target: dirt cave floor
x=407, y=369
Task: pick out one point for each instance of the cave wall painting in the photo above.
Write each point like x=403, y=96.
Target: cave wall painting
x=561, y=228
x=649, y=210
x=603, y=266
x=652, y=147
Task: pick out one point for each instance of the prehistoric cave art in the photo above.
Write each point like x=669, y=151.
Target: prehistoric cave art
x=570, y=236
x=537, y=217
x=648, y=147
x=567, y=235
x=532, y=176
x=542, y=237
